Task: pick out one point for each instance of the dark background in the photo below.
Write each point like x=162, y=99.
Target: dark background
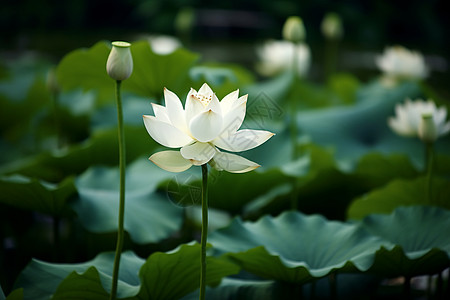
x=56, y=27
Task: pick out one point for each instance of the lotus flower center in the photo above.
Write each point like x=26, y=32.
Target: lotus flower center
x=204, y=99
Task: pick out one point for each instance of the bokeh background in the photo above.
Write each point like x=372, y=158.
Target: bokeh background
x=228, y=30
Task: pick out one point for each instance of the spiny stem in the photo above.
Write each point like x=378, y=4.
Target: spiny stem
x=122, y=162
x=204, y=230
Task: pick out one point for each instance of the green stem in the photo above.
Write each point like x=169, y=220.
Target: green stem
x=122, y=162
x=56, y=238
x=294, y=195
x=331, y=49
x=293, y=105
x=429, y=167
x=56, y=119
x=204, y=230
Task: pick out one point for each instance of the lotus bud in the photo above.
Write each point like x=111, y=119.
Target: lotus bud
x=293, y=29
x=332, y=26
x=120, y=62
x=427, y=129
x=52, y=82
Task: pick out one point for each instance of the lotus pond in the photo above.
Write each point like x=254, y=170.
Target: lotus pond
x=332, y=189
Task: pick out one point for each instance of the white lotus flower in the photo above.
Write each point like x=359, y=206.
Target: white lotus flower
x=277, y=56
x=400, y=63
x=164, y=44
x=200, y=129
x=409, y=117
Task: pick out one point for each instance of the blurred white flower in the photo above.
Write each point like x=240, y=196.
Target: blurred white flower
x=200, y=128
x=277, y=56
x=164, y=44
x=409, y=120
x=399, y=63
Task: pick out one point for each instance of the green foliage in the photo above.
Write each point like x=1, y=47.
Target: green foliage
x=40, y=279
x=32, y=194
x=169, y=275
x=420, y=234
x=174, y=274
x=90, y=283
x=60, y=159
x=296, y=248
x=15, y=295
x=86, y=68
x=101, y=148
x=149, y=216
x=400, y=192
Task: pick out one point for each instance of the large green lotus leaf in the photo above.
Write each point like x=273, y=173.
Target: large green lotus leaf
x=175, y=274
x=149, y=216
x=222, y=78
x=133, y=109
x=170, y=275
x=401, y=192
x=356, y=130
x=86, y=68
x=17, y=294
x=296, y=248
x=41, y=279
x=374, y=169
x=320, y=187
x=227, y=191
x=20, y=74
x=31, y=194
x=101, y=148
x=421, y=236
x=274, y=89
x=90, y=283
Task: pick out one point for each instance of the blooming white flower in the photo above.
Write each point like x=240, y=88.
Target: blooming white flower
x=277, y=56
x=119, y=65
x=205, y=125
x=400, y=63
x=409, y=119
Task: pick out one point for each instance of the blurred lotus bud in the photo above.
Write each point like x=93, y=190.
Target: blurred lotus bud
x=120, y=62
x=428, y=132
x=332, y=26
x=184, y=21
x=293, y=30
x=52, y=82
